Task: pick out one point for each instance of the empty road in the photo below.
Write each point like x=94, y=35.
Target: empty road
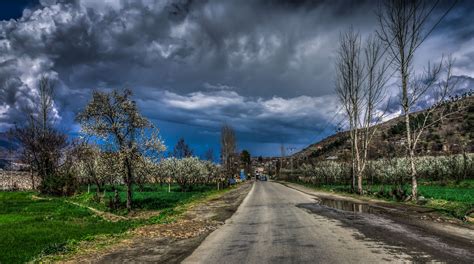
x=278, y=224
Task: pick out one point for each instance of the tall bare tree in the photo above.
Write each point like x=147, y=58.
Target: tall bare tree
x=349, y=70
x=401, y=24
x=360, y=82
x=245, y=160
x=45, y=104
x=209, y=155
x=182, y=150
x=228, y=149
x=42, y=144
x=116, y=118
x=282, y=158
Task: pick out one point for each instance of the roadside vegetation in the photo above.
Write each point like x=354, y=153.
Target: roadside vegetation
x=30, y=226
x=114, y=177
x=446, y=183
x=34, y=226
x=150, y=197
x=364, y=66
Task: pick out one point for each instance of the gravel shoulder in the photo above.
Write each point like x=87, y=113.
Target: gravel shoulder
x=171, y=243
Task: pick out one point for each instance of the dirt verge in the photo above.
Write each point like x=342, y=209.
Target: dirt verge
x=427, y=216
x=173, y=242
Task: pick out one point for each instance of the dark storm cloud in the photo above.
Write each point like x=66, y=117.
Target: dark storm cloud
x=266, y=66
x=266, y=120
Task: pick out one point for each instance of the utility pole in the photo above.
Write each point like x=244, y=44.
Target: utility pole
x=282, y=150
x=290, y=152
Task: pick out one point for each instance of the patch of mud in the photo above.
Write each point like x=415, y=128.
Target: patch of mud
x=347, y=205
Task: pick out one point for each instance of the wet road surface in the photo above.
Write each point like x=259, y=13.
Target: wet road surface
x=277, y=224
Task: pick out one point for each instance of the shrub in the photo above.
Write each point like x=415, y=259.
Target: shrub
x=62, y=183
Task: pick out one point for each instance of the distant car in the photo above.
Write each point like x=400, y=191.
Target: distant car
x=263, y=178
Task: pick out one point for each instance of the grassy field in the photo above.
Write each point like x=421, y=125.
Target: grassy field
x=32, y=226
x=452, y=198
x=151, y=197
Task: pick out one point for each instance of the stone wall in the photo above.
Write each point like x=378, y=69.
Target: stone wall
x=17, y=180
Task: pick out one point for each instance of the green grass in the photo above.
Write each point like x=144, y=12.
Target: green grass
x=152, y=197
x=31, y=228
x=457, y=194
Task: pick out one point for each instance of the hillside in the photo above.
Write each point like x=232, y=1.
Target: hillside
x=453, y=134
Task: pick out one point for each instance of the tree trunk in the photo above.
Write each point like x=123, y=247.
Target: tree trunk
x=464, y=167
x=358, y=168
x=129, y=196
x=353, y=173
x=32, y=180
x=414, y=184
x=99, y=187
x=98, y=190
x=359, y=183
x=411, y=146
x=129, y=182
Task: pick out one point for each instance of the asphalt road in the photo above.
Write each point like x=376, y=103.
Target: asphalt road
x=277, y=224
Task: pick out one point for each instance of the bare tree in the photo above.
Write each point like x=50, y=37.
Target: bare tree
x=228, y=149
x=359, y=86
x=245, y=160
x=115, y=118
x=182, y=150
x=401, y=25
x=42, y=145
x=209, y=155
x=349, y=70
x=373, y=97
x=282, y=158
x=45, y=104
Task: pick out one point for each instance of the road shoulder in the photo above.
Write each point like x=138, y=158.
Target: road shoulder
x=418, y=215
x=409, y=226
x=172, y=242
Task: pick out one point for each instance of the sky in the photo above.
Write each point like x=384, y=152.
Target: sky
x=265, y=67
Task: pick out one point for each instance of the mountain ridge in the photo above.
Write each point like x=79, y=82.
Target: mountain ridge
x=454, y=134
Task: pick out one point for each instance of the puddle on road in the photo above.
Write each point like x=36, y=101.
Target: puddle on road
x=347, y=206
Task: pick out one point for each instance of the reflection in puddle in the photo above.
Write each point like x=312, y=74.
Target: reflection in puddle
x=347, y=205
